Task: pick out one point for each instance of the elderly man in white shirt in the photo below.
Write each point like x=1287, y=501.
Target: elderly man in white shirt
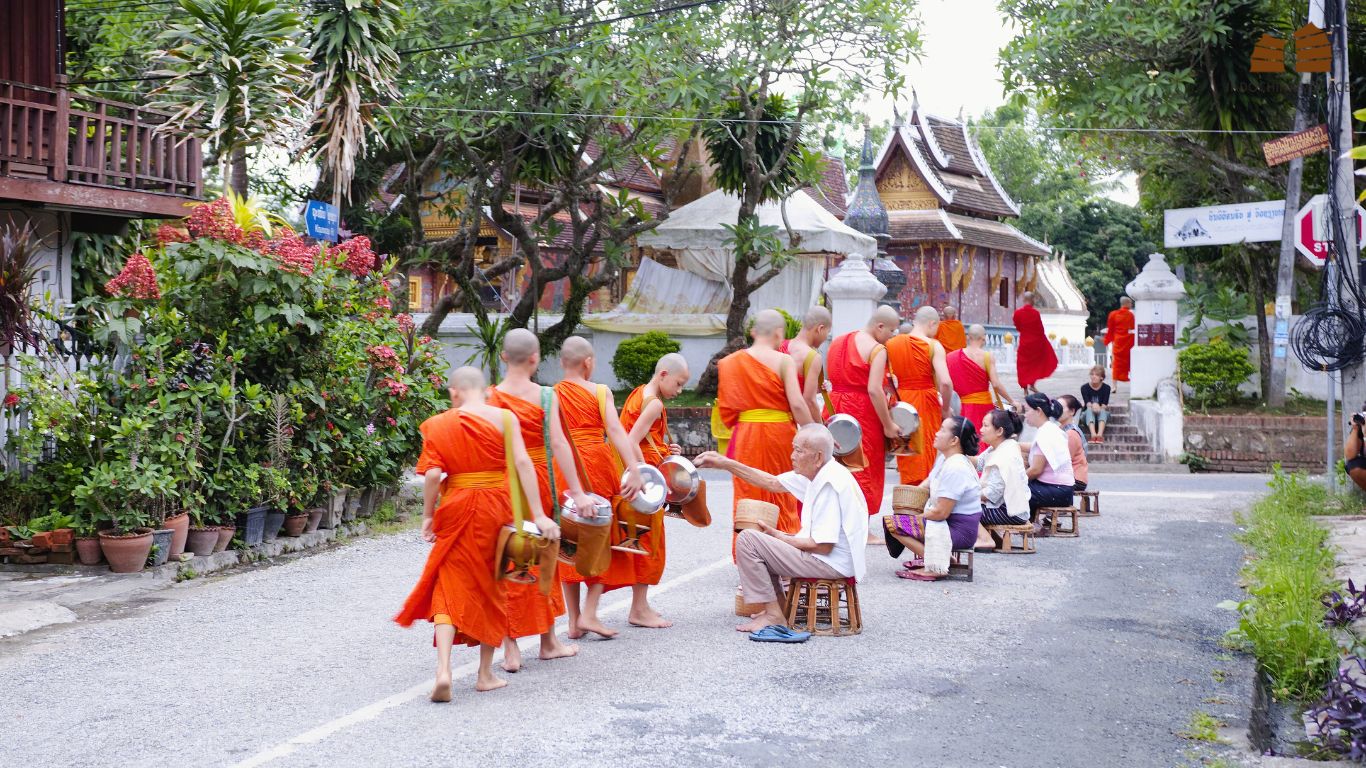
x=830, y=544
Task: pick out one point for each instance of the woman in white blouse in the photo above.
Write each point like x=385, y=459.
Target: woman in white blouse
x=1005, y=485
x=955, y=498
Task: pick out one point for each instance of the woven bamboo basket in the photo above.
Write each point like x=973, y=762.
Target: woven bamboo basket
x=745, y=609
x=909, y=497
x=750, y=512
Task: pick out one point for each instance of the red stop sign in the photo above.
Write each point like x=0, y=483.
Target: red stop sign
x=1316, y=251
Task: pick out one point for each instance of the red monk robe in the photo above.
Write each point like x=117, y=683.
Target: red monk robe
x=1119, y=332
x=1034, y=355
x=457, y=581
x=655, y=447
x=911, y=360
x=972, y=382
x=752, y=401
x=581, y=415
x=952, y=335
x=849, y=374
x=530, y=612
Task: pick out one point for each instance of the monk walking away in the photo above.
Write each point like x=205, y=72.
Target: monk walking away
x=646, y=420
x=973, y=373
x=1035, y=359
x=1119, y=334
x=488, y=474
x=858, y=375
x=951, y=334
x=917, y=363
x=805, y=352
x=589, y=416
x=758, y=399
x=530, y=610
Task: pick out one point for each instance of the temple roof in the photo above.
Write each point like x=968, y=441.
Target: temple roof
x=940, y=225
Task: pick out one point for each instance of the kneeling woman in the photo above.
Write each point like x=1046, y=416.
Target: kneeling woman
x=955, y=497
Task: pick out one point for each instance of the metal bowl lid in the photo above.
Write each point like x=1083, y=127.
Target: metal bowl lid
x=681, y=478
x=906, y=418
x=846, y=431
x=651, y=498
x=602, y=509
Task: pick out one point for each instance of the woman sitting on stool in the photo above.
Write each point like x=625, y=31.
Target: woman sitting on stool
x=1051, y=483
x=1076, y=441
x=955, y=497
x=1005, y=486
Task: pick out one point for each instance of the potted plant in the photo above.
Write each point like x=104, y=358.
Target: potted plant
x=128, y=539
x=87, y=543
x=178, y=522
x=252, y=489
x=203, y=536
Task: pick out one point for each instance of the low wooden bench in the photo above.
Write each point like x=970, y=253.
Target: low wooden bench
x=823, y=606
x=960, y=564
x=1055, y=516
x=1089, y=505
x=1004, y=535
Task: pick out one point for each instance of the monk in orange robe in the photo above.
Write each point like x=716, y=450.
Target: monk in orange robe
x=589, y=414
x=531, y=611
x=1119, y=334
x=488, y=473
x=916, y=360
x=858, y=375
x=805, y=352
x=974, y=378
x=647, y=424
x=951, y=335
x=757, y=397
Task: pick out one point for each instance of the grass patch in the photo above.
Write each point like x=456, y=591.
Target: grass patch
x=688, y=398
x=1295, y=405
x=1219, y=675
x=1202, y=727
x=1289, y=571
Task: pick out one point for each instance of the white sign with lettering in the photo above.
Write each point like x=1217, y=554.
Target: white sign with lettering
x=1223, y=224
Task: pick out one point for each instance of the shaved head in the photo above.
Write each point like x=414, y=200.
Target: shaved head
x=926, y=315
x=815, y=316
x=977, y=331
x=673, y=363
x=950, y=312
x=467, y=378
x=575, y=352
x=768, y=322
x=884, y=316
x=905, y=328
x=520, y=346
x=1125, y=301
x=817, y=438
x=1027, y=297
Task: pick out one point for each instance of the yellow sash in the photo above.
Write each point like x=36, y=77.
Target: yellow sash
x=764, y=416
x=488, y=479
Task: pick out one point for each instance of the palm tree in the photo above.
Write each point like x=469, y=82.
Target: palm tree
x=233, y=72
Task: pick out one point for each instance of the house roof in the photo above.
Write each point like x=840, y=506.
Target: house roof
x=832, y=191
x=941, y=225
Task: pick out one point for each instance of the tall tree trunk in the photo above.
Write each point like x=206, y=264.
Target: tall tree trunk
x=237, y=172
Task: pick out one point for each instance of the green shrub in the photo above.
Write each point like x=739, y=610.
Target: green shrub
x=635, y=358
x=1214, y=371
x=1289, y=571
x=792, y=326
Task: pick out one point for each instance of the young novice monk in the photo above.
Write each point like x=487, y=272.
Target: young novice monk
x=644, y=416
x=480, y=450
x=589, y=415
x=530, y=610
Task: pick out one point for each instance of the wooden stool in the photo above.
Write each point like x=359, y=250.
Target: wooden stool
x=826, y=607
x=1005, y=535
x=960, y=567
x=1090, y=503
x=1055, y=515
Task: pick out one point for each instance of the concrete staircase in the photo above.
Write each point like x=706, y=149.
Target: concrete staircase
x=1124, y=444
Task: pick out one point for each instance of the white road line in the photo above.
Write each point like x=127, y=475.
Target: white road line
x=374, y=710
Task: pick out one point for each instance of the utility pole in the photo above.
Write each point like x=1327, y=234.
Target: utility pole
x=1344, y=194
x=1285, y=272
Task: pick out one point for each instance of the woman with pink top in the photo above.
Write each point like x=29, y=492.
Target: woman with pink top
x=1076, y=441
x=1050, y=462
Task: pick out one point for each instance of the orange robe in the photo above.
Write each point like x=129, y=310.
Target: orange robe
x=751, y=400
x=655, y=447
x=458, y=579
x=1119, y=331
x=952, y=335
x=583, y=419
x=849, y=374
x=530, y=611
x=972, y=382
x=911, y=360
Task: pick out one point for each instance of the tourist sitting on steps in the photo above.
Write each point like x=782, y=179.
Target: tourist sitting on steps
x=1051, y=482
x=1354, y=451
x=1095, y=394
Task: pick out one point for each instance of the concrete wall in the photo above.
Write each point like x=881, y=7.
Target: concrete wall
x=1255, y=443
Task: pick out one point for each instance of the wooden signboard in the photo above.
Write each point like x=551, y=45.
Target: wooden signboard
x=1295, y=145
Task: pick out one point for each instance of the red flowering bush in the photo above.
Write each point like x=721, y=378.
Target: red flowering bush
x=169, y=234
x=405, y=322
x=293, y=253
x=396, y=388
x=383, y=357
x=214, y=220
x=359, y=257
x=383, y=302
x=136, y=281
x=11, y=400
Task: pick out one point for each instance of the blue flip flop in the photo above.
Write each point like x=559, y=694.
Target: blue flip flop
x=777, y=633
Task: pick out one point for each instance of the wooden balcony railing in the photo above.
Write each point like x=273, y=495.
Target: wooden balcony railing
x=53, y=135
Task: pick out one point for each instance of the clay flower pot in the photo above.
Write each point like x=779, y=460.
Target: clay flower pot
x=225, y=534
x=315, y=518
x=180, y=532
x=88, y=550
x=201, y=541
x=295, y=523
x=127, y=553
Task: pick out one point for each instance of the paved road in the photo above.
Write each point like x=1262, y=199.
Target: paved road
x=1093, y=652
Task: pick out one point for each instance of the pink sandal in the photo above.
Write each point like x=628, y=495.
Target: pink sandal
x=911, y=575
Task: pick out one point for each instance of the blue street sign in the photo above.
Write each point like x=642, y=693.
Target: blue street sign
x=321, y=220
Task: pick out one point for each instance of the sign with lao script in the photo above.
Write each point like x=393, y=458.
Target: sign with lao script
x=1296, y=145
x=321, y=220
x=1223, y=224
